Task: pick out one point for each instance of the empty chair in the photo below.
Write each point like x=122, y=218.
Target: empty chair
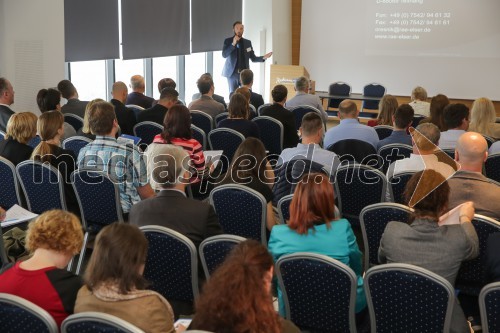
x=97, y=322
x=19, y=315
x=372, y=90
x=407, y=298
x=73, y=120
x=373, y=219
x=202, y=120
x=492, y=167
x=354, y=150
x=397, y=184
x=9, y=195
x=75, y=143
x=213, y=251
x=42, y=185
x=337, y=89
x=271, y=133
x=200, y=136
x=383, y=131
x=300, y=111
x=220, y=117
x=147, y=130
x=227, y=140
x=489, y=298
x=393, y=152
x=311, y=301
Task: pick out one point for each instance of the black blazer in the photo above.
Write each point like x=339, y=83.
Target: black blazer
x=5, y=113
x=139, y=99
x=287, y=118
x=75, y=106
x=155, y=114
x=14, y=151
x=194, y=219
x=256, y=100
x=125, y=117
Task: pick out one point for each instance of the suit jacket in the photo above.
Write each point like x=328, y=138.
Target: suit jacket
x=5, y=113
x=14, y=151
x=256, y=100
x=231, y=54
x=217, y=98
x=170, y=208
x=155, y=114
x=75, y=106
x=208, y=105
x=125, y=117
x=142, y=100
x=287, y=118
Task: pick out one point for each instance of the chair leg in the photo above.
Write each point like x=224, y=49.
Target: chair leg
x=82, y=253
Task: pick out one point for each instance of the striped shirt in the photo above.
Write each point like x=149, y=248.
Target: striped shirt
x=122, y=163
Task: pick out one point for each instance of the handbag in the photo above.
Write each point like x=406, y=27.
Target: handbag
x=14, y=241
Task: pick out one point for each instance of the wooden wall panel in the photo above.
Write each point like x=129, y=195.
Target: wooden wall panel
x=296, y=26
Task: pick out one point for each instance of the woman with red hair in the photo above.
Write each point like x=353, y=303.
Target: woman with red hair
x=313, y=227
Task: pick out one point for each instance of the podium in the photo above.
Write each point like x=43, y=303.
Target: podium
x=285, y=75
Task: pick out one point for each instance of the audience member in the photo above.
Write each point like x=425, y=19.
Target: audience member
x=125, y=116
x=246, y=92
x=468, y=183
x=73, y=104
x=313, y=227
x=237, y=298
x=85, y=130
x=206, y=103
x=424, y=243
x=419, y=101
x=238, y=118
x=157, y=113
x=386, y=109
x=401, y=120
x=246, y=79
x=21, y=128
x=114, y=283
x=53, y=239
x=50, y=100
x=217, y=98
x=349, y=127
x=137, y=97
x=122, y=163
x=250, y=168
x=456, y=120
x=284, y=116
x=483, y=117
x=6, y=100
x=312, y=131
x=166, y=83
x=438, y=103
x=302, y=97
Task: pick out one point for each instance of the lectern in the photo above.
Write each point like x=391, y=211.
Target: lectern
x=285, y=75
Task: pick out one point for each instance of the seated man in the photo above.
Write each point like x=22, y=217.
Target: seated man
x=125, y=116
x=401, y=120
x=469, y=184
x=6, y=100
x=456, y=119
x=246, y=79
x=156, y=114
x=74, y=105
x=218, y=98
x=284, y=116
x=419, y=101
x=137, y=97
x=206, y=103
x=349, y=127
x=302, y=97
x=123, y=164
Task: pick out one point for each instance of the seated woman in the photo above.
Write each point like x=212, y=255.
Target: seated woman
x=483, y=118
x=85, y=130
x=53, y=239
x=250, y=168
x=248, y=95
x=21, y=128
x=238, y=117
x=438, y=103
x=50, y=100
x=313, y=227
x=424, y=243
x=237, y=297
x=50, y=128
x=114, y=283
x=387, y=107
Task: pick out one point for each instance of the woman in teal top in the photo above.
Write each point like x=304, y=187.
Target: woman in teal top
x=313, y=228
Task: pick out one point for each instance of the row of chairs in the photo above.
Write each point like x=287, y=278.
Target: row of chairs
x=340, y=88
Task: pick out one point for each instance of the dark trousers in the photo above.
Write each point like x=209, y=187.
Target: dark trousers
x=233, y=81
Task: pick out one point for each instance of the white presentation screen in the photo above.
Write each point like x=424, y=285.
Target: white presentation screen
x=446, y=46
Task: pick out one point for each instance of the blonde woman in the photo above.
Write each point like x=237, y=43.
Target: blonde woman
x=483, y=117
x=85, y=130
x=21, y=128
x=387, y=107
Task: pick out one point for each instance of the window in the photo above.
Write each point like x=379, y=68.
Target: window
x=163, y=68
x=125, y=69
x=220, y=82
x=89, y=78
x=195, y=67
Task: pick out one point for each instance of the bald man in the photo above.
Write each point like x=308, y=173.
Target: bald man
x=469, y=184
x=125, y=116
x=137, y=97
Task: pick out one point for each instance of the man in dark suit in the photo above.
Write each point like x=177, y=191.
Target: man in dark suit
x=6, y=100
x=125, y=116
x=137, y=97
x=156, y=114
x=237, y=51
x=246, y=78
x=74, y=105
x=287, y=118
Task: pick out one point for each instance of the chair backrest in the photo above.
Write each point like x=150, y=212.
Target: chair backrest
x=383, y=131
x=489, y=140
x=489, y=298
x=449, y=152
x=492, y=167
x=284, y=208
x=393, y=152
x=252, y=109
x=34, y=142
x=97, y=322
x=75, y=143
x=9, y=195
x=300, y=111
x=319, y=292
x=98, y=198
x=19, y=315
x=202, y=120
x=397, y=184
x=265, y=105
x=227, y=140
x=395, y=291
x=372, y=90
x=220, y=117
x=73, y=120
x=271, y=133
x=136, y=109
x=340, y=89
x=241, y=210
x=214, y=250
x=352, y=149
x=147, y=130
x=374, y=219
x=2, y=135
x=200, y=136
x=417, y=118
x=172, y=264
x=356, y=187
x=42, y=185
x=471, y=277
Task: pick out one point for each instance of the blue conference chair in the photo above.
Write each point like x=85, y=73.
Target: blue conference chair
x=492, y=167
x=371, y=90
x=75, y=143
x=397, y=184
x=2, y=135
x=220, y=117
x=73, y=120
x=34, y=142
x=97, y=322
x=228, y=141
x=271, y=133
x=393, y=152
x=489, y=298
x=214, y=250
x=202, y=120
x=339, y=89
x=200, y=136
x=383, y=131
x=147, y=130
x=300, y=111
x=9, y=195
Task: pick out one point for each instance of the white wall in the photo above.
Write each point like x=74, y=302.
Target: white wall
x=32, y=45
